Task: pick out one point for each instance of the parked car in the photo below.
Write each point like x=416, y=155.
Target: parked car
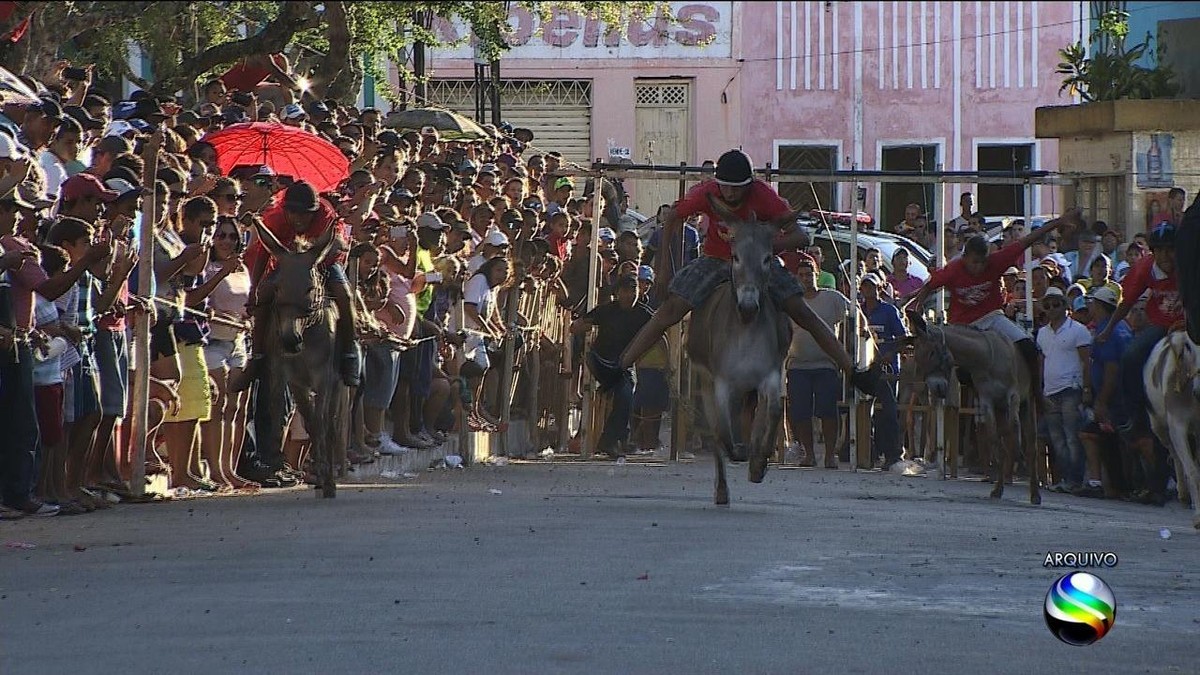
x=835, y=239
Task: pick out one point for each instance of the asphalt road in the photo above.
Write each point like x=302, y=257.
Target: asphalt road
x=594, y=568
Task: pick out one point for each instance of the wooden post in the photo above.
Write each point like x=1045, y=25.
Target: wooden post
x=457, y=318
x=140, y=392
x=677, y=340
x=566, y=373
x=533, y=406
x=506, y=375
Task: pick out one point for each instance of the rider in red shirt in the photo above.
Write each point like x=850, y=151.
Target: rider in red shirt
x=976, y=295
x=1155, y=273
x=744, y=195
x=302, y=214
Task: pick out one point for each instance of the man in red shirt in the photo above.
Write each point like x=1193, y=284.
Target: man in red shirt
x=736, y=186
x=1156, y=274
x=976, y=294
x=302, y=214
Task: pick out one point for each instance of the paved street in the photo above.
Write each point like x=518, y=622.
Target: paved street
x=585, y=568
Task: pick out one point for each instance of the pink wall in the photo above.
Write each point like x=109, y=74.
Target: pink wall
x=772, y=77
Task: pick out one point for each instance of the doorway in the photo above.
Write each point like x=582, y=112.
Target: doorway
x=1002, y=200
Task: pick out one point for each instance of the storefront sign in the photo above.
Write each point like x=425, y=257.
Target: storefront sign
x=699, y=30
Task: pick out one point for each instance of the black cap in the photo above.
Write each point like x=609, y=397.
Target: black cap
x=84, y=118
x=301, y=197
x=388, y=139
x=49, y=108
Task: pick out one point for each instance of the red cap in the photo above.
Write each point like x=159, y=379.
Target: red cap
x=84, y=185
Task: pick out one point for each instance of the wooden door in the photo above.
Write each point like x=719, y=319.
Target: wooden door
x=663, y=136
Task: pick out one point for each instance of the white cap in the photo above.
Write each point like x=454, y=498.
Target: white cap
x=293, y=111
x=496, y=238
x=121, y=186
x=1103, y=294
x=430, y=220
x=119, y=128
x=1054, y=292
x=10, y=148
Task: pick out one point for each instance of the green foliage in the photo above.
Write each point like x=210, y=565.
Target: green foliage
x=1113, y=73
x=189, y=42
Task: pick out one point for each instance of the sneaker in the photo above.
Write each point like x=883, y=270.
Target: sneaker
x=7, y=513
x=40, y=509
x=389, y=447
x=906, y=468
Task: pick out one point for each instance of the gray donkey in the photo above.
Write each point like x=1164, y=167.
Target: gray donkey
x=303, y=358
x=737, y=341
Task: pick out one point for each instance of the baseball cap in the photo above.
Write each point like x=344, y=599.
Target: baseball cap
x=1011, y=270
x=607, y=234
x=31, y=192
x=1079, y=303
x=512, y=217
x=496, y=238
x=318, y=107
x=565, y=181
x=249, y=171
x=489, y=168
x=1054, y=292
x=123, y=188
x=431, y=221
x=49, y=108
x=83, y=185
x=301, y=197
x=402, y=193
x=468, y=166
x=14, y=196
x=114, y=145
x=120, y=128
x=870, y=278
x=507, y=160
x=84, y=118
x=388, y=139
x=1103, y=294
x=293, y=111
x=10, y=149
x=646, y=273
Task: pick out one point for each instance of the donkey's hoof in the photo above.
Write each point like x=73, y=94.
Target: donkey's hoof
x=1196, y=522
x=721, y=496
x=1035, y=499
x=996, y=493
x=758, y=469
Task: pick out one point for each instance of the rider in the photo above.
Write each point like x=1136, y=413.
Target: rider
x=976, y=295
x=1155, y=273
x=695, y=282
x=303, y=214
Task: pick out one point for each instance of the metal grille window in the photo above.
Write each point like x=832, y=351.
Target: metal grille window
x=662, y=94
x=809, y=158
x=457, y=94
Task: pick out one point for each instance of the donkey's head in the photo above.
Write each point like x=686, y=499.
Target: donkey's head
x=931, y=356
x=298, y=286
x=753, y=255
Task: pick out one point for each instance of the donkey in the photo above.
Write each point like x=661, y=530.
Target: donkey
x=304, y=358
x=737, y=342
x=1173, y=390
x=1002, y=385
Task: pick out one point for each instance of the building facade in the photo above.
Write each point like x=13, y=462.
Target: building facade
x=803, y=85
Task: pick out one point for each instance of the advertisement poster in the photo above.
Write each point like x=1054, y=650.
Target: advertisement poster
x=1153, y=155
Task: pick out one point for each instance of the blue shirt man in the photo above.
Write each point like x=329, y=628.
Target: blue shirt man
x=1102, y=302
x=884, y=320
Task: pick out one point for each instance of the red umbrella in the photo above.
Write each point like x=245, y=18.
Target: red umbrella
x=289, y=151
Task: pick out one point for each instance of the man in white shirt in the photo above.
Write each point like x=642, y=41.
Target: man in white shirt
x=1065, y=354
x=63, y=148
x=494, y=245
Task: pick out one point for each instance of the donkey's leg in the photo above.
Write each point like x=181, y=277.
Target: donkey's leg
x=1181, y=448
x=721, y=408
x=1025, y=435
x=1000, y=447
x=766, y=426
x=315, y=426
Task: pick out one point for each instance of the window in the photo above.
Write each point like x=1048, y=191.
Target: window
x=1002, y=200
x=894, y=197
x=809, y=158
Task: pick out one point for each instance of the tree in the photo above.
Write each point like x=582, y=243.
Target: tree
x=333, y=43
x=1113, y=72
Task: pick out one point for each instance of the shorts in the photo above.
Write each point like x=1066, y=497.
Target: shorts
x=652, y=391
x=996, y=322
x=112, y=362
x=382, y=373
x=48, y=399
x=195, y=397
x=81, y=391
x=230, y=354
x=162, y=340
x=698, y=279
x=813, y=393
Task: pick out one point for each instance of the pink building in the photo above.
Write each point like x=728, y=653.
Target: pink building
x=817, y=85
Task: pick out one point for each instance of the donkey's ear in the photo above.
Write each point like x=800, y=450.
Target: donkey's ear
x=323, y=245
x=789, y=221
x=269, y=240
x=722, y=210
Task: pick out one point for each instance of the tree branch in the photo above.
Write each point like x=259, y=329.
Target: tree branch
x=275, y=36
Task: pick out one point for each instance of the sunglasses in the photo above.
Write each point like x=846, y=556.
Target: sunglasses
x=264, y=182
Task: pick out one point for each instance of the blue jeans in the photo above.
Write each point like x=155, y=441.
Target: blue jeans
x=887, y=424
x=616, y=427
x=1133, y=362
x=20, y=439
x=1063, y=422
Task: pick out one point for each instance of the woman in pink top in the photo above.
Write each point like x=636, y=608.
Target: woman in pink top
x=221, y=437
x=903, y=284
